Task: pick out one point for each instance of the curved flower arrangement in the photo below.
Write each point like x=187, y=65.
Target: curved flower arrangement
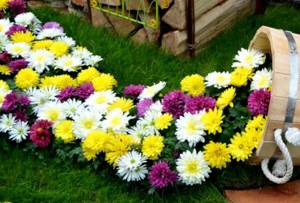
x=53, y=94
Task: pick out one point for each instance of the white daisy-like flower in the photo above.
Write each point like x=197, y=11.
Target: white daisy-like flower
x=218, y=79
x=93, y=60
x=50, y=33
x=86, y=121
x=41, y=60
x=190, y=128
x=131, y=166
x=4, y=25
x=249, y=58
x=19, y=131
x=116, y=120
x=86, y=56
x=150, y=91
x=262, y=79
x=137, y=133
x=18, y=49
x=154, y=111
x=52, y=111
x=26, y=19
x=68, y=63
x=146, y=127
x=192, y=168
x=101, y=100
x=68, y=40
x=72, y=106
x=3, y=41
x=7, y=122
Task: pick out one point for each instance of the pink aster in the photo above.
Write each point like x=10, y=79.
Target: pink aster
x=40, y=133
x=133, y=90
x=143, y=106
x=196, y=104
x=174, y=103
x=258, y=102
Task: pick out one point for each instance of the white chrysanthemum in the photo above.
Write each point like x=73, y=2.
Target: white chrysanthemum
x=137, y=133
x=261, y=79
x=249, y=58
x=86, y=56
x=3, y=41
x=52, y=111
x=190, y=128
x=19, y=132
x=192, y=168
x=151, y=91
x=93, y=60
x=154, y=111
x=68, y=40
x=146, y=127
x=117, y=121
x=18, y=49
x=39, y=97
x=7, y=121
x=4, y=25
x=101, y=100
x=26, y=19
x=68, y=63
x=131, y=166
x=72, y=106
x=86, y=121
x=50, y=33
x=218, y=79
x=41, y=60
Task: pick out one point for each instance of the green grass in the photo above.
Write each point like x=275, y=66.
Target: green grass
x=25, y=178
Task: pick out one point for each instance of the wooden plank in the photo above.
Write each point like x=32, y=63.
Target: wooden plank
x=111, y=2
x=140, y=37
x=99, y=19
x=121, y=26
x=138, y=5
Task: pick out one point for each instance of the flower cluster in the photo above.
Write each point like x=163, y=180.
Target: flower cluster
x=53, y=91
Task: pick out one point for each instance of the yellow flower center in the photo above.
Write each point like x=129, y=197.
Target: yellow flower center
x=220, y=79
x=40, y=58
x=101, y=99
x=249, y=58
x=241, y=146
x=116, y=121
x=68, y=63
x=192, y=167
x=53, y=114
x=88, y=123
x=262, y=82
x=191, y=127
x=17, y=49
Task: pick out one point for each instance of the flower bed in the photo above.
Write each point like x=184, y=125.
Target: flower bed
x=53, y=95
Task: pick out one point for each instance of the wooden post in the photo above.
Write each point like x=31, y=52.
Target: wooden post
x=190, y=25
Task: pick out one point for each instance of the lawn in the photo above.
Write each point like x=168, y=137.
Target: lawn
x=27, y=178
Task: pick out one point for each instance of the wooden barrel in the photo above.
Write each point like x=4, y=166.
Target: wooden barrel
x=284, y=48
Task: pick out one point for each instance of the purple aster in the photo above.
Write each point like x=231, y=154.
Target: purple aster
x=23, y=100
x=21, y=115
x=174, y=103
x=161, y=176
x=66, y=93
x=17, y=65
x=53, y=24
x=84, y=90
x=133, y=90
x=17, y=7
x=10, y=102
x=196, y=104
x=15, y=28
x=143, y=106
x=258, y=102
x=4, y=57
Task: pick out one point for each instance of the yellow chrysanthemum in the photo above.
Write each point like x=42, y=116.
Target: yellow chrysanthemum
x=152, y=146
x=64, y=130
x=4, y=4
x=4, y=85
x=164, y=121
x=104, y=82
x=213, y=120
x=59, y=48
x=121, y=103
x=94, y=143
x=22, y=37
x=59, y=81
x=216, y=154
x=240, y=76
x=240, y=147
x=5, y=70
x=43, y=44
x=254, y=136
x=226, y=98
x=117, y=146
x=27, y=78
x=87, y=75
x=193, y=85
x=257, y=123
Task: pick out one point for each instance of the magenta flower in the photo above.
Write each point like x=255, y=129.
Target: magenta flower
x=15, y=28
x=4, y=57
x=40, y=133
x=10, y=102
x=17, y=6
x=258, y=102
x=17, y=65
x=196, y=104
x=161, y=176
x=66, y=93
x=133, y=90
x=84, y=90
x=21, y=115
x=143, y=106
x=23, y=100
x=174, y=103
